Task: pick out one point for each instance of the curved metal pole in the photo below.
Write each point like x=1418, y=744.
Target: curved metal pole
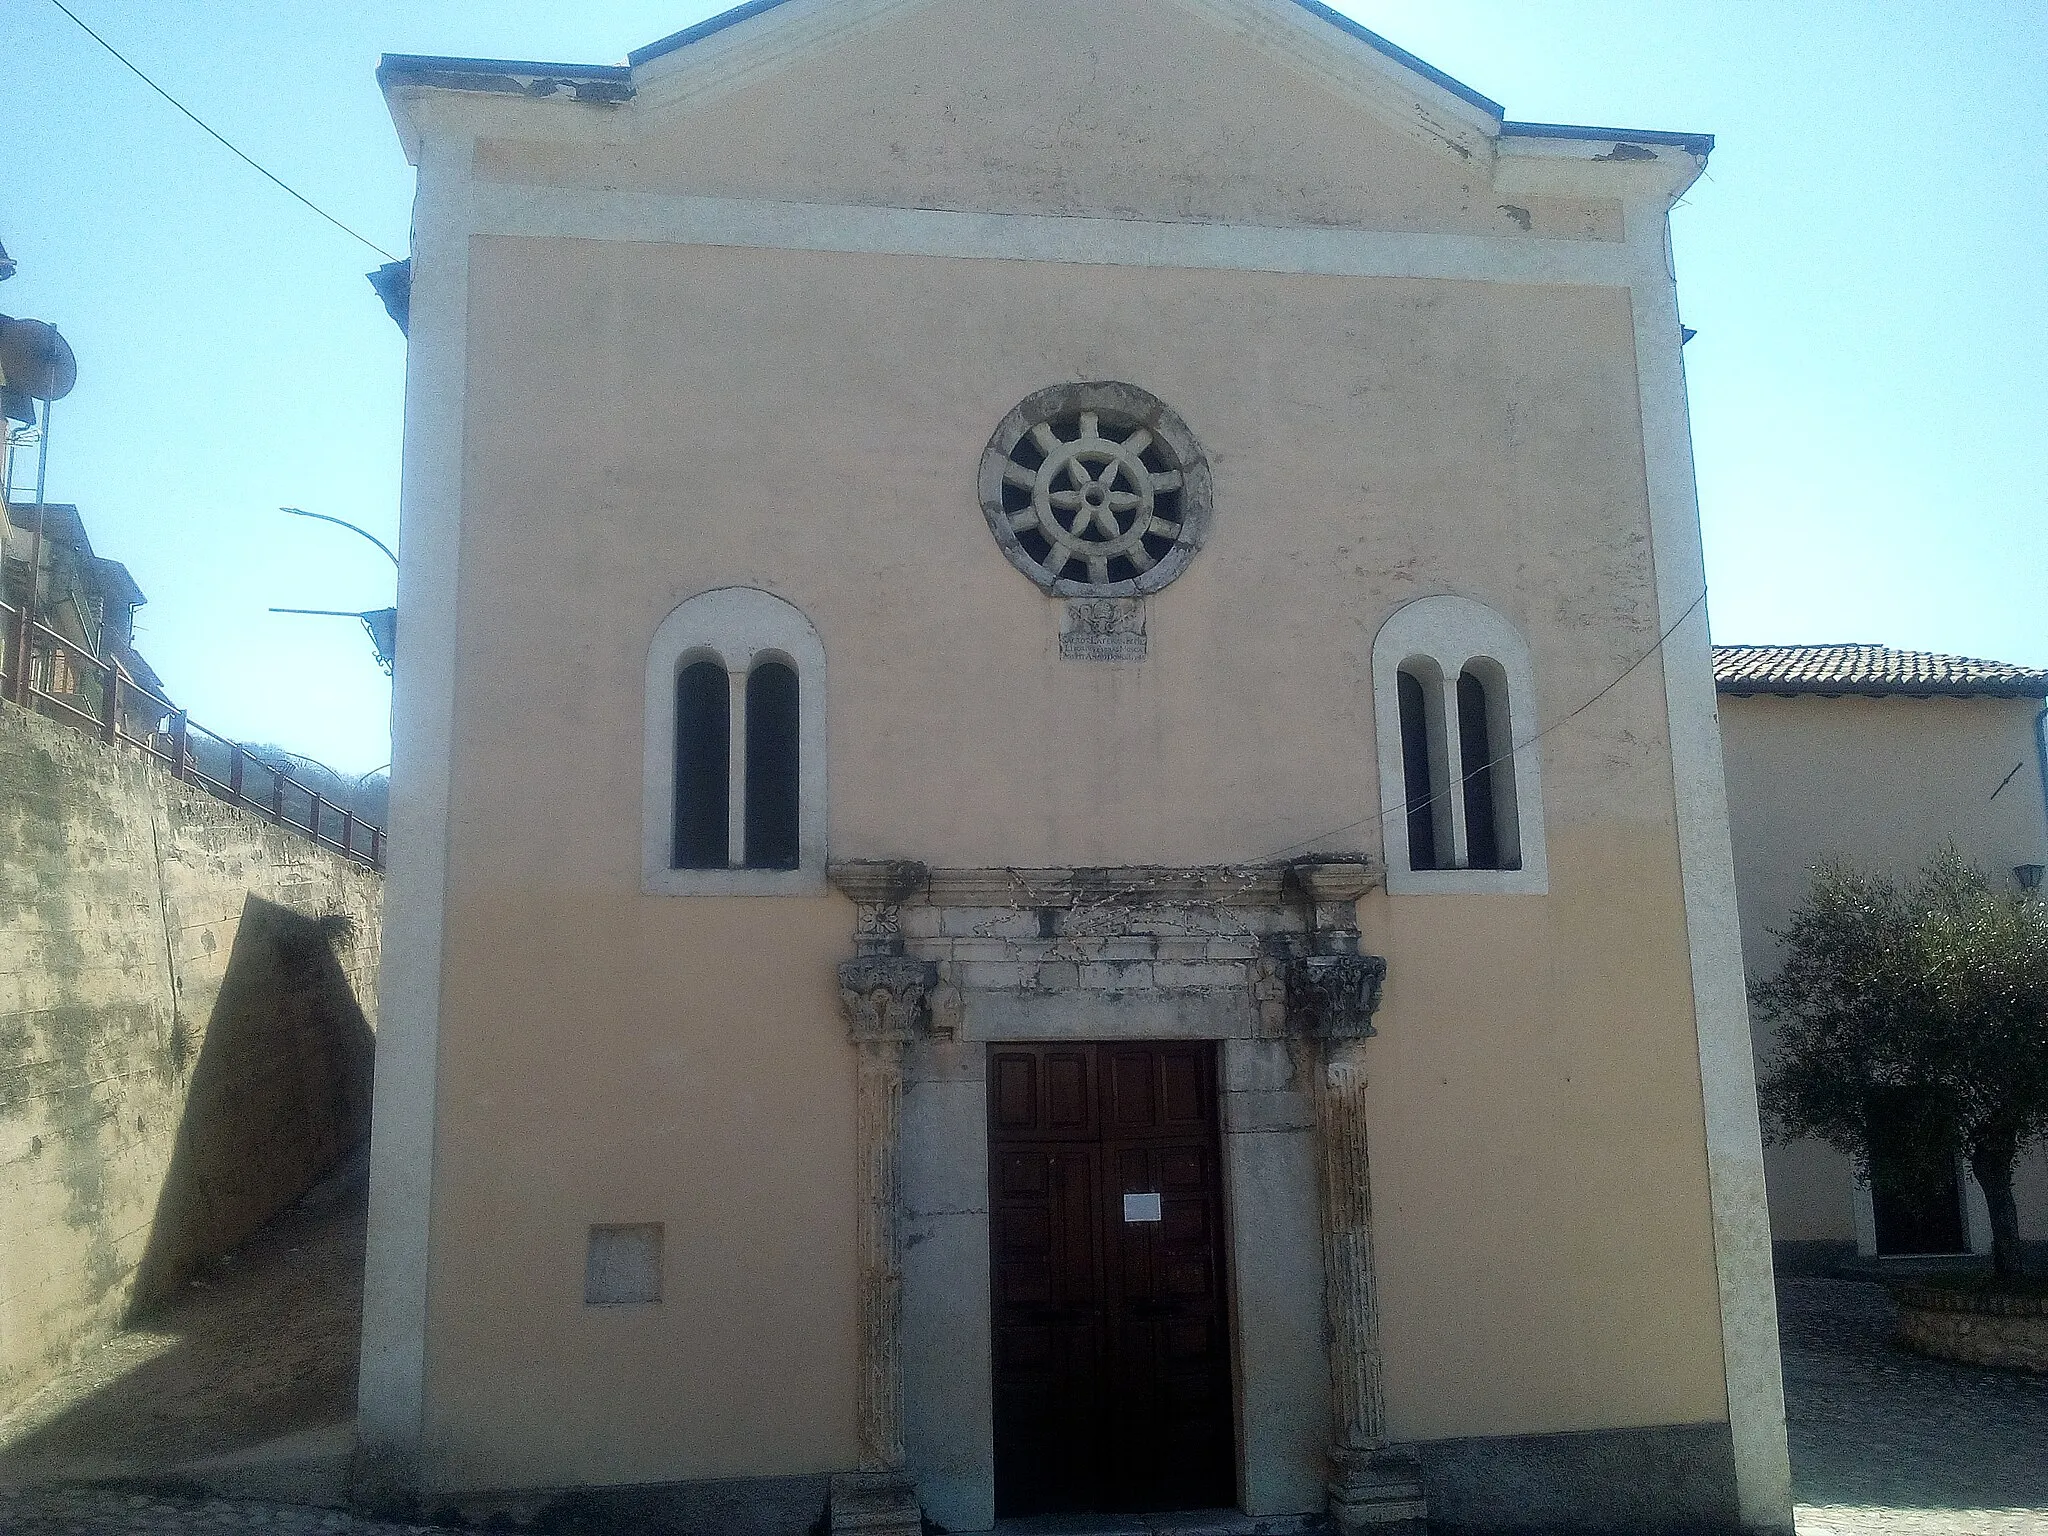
x=322, y=517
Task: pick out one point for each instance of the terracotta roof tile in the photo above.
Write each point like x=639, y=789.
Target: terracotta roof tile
x=1868, y=669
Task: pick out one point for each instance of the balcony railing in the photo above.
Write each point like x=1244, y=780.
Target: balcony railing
x=102, y=701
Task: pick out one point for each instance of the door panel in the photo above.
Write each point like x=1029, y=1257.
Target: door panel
x=1914, y=1214
x=1048, y=1312
x=1926, y=1220
x=1113, y=1383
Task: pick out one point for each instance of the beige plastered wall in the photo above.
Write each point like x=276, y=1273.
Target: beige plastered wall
x=1146, y=110
x=1883, y=783
x=648, y=421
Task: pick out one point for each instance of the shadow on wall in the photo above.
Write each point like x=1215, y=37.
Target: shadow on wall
x=231, y=1342
x=260, y=1344
x=279, y=1093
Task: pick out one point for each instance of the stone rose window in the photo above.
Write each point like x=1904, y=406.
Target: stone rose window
x=1096, y=490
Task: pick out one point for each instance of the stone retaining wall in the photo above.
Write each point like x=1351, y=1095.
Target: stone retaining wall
x=2010, y=1332
x=187, y=995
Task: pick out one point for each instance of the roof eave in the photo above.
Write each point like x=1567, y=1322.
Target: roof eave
x=407, y=78
x=519, y=77
x=711, y=25
x=2016, y=688
x=752, y=8
x=1402, y=56
x=1700, y=144
x=1566, y=158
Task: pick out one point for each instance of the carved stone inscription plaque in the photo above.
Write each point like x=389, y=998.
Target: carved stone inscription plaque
x=1103, y=629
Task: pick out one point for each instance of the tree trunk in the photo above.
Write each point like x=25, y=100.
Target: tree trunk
x=1991, y=1160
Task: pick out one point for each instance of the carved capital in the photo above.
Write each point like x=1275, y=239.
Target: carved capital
x=1333, y=997
x=884, y=995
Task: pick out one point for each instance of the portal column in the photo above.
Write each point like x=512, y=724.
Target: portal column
x=882, y=991
x=1332, y=993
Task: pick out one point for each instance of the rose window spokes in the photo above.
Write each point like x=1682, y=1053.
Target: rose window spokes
x=1095, y=490
x=1093, y=498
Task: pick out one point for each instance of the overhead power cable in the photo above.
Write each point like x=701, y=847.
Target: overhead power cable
x=1458, y=784
x=167, y=96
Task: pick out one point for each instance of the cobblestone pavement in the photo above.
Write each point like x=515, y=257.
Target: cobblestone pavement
x=93, y=1512
x=1889, y=1444
x=1883, y=1444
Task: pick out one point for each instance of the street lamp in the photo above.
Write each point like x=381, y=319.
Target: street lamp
x=322, y=517
x=380, y=623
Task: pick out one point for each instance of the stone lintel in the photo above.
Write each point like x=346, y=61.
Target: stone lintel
x=1134, y=885
x=1223, y=1014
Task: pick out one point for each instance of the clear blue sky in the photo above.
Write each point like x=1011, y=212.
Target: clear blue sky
x=1866, y=262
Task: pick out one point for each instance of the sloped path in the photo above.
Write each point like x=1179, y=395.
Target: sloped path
x=259, y=1350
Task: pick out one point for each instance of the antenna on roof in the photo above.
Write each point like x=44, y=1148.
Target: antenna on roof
x=35, y=361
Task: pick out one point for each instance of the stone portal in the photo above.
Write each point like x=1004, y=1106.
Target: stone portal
x=1261, y=958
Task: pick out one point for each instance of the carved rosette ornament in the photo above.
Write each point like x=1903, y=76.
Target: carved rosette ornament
x=883, y=994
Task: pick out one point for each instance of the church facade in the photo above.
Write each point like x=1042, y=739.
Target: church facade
x=1058, y=839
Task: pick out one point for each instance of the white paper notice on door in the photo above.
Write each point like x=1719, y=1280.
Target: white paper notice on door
x=1141, y=1207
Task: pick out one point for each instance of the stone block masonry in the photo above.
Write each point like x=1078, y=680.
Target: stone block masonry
x=1975, y=1327
x=187, y=999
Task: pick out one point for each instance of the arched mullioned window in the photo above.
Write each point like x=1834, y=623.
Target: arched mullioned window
x=734, y=758
x=1461, y=800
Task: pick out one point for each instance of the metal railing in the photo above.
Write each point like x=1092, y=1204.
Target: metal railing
x=120, y=711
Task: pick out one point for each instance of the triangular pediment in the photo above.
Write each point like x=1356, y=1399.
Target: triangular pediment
x=1240, y=111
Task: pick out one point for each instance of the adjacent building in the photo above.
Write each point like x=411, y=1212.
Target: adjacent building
x=84, y=606
x=1058, y=823
x=1880, y=758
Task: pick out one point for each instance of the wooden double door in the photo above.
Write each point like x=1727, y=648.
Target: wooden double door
x=1111, y=1316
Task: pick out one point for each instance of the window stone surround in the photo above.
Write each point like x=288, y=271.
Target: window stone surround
x=739, y=627
x=1451, y=633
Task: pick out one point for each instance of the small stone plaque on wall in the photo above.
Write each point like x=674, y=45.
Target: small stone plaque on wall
x=623, y=1265
x=1103, y=629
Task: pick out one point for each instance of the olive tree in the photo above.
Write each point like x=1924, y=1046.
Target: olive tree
x=1914, y=1017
